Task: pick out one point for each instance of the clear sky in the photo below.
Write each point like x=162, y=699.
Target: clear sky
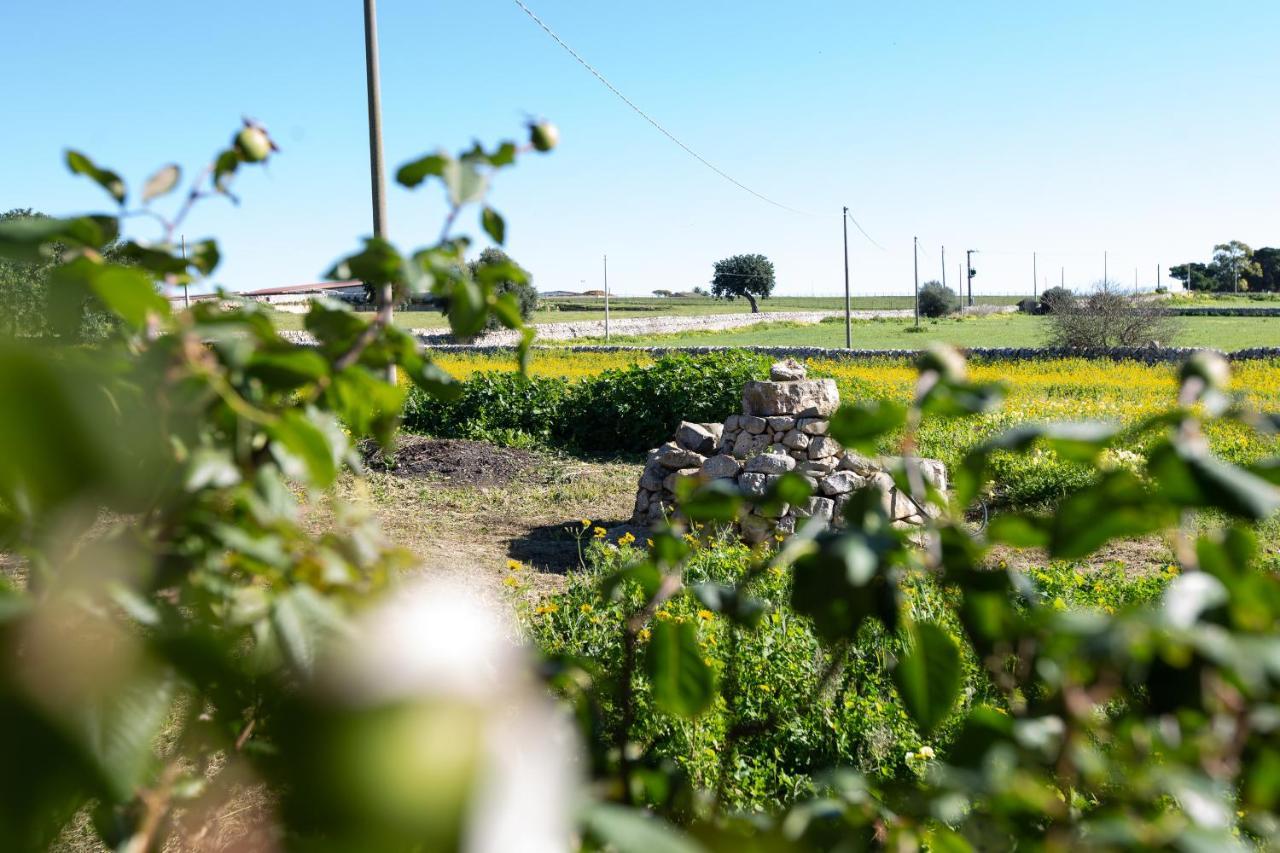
x=1146, y=129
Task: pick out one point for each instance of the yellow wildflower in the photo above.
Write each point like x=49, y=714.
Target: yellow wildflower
x=626, y=538
x=586, y=522
x=549, y=607
x=649, y=542
x=511, y=580
x=514, y=565
x=644, y=635
x=705, y=615
x=926, y=752
x=586, y=608
x=599, y=532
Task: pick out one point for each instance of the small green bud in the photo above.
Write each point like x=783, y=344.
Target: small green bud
x=543, y=135
x=1207, y=366
x=943, y=360
x=252, y=144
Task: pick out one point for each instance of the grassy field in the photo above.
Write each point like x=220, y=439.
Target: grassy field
x=579, y=309
x=1000, y=330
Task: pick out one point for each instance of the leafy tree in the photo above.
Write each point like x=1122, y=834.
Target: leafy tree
x=937, y=300
x=1054, y=296
x=505, y=277
x=1235, y=265
x=748, y=276
x=662, y=292
x=1268, y=261
x=1195, y=276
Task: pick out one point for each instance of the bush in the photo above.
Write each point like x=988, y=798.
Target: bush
x=495, y=406
x=857, y=722
x=1055, y=296
x=628, y=411
x=1109, y=318
x=1029, y=306
x=937, y=300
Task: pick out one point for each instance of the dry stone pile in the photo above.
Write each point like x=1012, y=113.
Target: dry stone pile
x=783, y=427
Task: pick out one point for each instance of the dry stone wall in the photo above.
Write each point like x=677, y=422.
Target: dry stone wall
x=783, y=428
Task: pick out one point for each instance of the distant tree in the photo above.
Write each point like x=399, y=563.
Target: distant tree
x=937, y=300
x=748, y=276
x=1268, y=261
x=1236, y=265
x=24, y=291
x=701, y=291
x=662, y=292
x=1109, y=317
x=524, y=292
x=1201, y=276
x=1053, y=296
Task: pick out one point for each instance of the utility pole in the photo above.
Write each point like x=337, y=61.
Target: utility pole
x=377, y=174
x=1104, y=270
x=606, y=299
x=186, y=296
x=848, y=308
x=968, y=262
x=1034, y=277
x=1157, y=276
x=915, y=265
x=1062, y=276
x=944, y=266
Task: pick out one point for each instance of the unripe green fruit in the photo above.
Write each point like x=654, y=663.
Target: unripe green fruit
x=544, y=135
x=252, y=144
x=943, y=360
x=1209, y=367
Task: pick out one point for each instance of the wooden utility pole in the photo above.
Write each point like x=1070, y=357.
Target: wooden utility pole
x=606, y=299
x=944, y=266
x=968, y=262
x=1034, y=278
x=377, y=174
x=915, y=266
x=848, y=307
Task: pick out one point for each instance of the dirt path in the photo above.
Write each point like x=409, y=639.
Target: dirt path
x=465, y=508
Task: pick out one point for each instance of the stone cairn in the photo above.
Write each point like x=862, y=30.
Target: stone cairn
x=783, y=427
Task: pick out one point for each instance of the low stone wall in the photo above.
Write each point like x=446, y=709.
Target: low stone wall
x=1224, y=312
x=1150, y=355
x=782, y=429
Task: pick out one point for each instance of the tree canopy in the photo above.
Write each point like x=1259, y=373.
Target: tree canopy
x=748, y=276
x=1235, y=265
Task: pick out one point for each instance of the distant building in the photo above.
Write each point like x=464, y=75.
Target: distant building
x=555, y=293
x=298, y=297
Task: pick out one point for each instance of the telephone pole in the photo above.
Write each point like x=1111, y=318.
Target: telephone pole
x=376, y=171
x=606, y=299
x=915, y=265
x=848, y=308
x=968, y=262
x=944, y=266
x=1033, y=275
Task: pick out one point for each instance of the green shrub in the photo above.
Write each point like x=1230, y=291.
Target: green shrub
x=858, y=722
x=937, y=300
x=640, y=407
x=496, y=406
x=1055, y=296
x=525, y=294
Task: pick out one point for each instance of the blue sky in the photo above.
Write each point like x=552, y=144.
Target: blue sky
x=1145, y=129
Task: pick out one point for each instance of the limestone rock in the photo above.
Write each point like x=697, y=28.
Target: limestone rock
x=812, y=426
x=721, y=467
x=652, y=476
x=780, y=423
x=669, y=484
x=817, y=467
x=816, y=507
x=822, y=446
x=752, y=424
x=672, y=455
x=842, y=482
x=695, y=437
x=756, y=529
x=858, y=464
x=789, y=370
x=749, y=445
x=796, y=440
x=769, y=463
x=804, y=398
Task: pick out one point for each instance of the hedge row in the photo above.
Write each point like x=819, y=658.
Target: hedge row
x=628, y=410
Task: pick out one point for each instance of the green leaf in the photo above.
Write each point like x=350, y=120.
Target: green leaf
x=843, y=583
x=718, y=500
x=629, y=830
x=105, y=178
x=289, y=368
x=682, y=682
x=303, y=448
x=1020, y=531
x=303, y=620
x=129, y=294
x=861, y=425
x=493, y=225
x=928, y=676
x=730, y=601
x=161, y=182
x=378, y=263
x=464, y=182
x=33, y=238
x=204, y=256
x=118, y=730
x=413, y=173
x=1191, y=478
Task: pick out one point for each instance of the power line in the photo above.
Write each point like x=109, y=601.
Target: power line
x=704, y=161
x=864, y=232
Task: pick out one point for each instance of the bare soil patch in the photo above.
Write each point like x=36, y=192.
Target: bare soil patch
x=456, y=460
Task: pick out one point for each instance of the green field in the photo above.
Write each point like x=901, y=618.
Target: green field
x=1002, y=330
x=578, y=309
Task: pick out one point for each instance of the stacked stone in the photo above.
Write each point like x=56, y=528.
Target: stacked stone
x=782, y=428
